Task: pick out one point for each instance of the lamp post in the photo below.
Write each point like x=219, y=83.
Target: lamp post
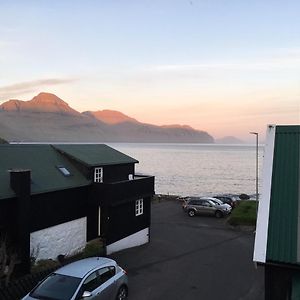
x=256, y=133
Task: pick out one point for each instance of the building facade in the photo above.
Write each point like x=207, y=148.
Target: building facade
x=277, y=241
x=56, y=198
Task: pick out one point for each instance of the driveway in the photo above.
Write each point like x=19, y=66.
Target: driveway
x=192, y=258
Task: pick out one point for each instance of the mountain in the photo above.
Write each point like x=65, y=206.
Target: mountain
x=110, y=116
x=229, y=140
x=47, y=118
x=43, y=102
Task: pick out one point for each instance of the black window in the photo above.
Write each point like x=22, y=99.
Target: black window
x=106, y=273
x=195, y=202
x=91, y=282
x=205, y=203
x=56, y=287
x=97, y=278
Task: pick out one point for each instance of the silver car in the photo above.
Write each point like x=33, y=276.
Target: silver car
x=206, y=207
x=218, y=201
x=96, y=278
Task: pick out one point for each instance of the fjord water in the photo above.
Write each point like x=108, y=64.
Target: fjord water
x=196, y=169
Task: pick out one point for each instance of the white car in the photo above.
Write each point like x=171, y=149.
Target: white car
x=218, y=201
x=95, y=278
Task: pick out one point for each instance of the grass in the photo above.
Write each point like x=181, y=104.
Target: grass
x=244, y=214
x=93, y=248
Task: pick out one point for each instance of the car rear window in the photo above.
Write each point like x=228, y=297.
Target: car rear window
x=56, y=287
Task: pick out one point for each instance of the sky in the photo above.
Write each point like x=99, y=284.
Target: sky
x=224, y=66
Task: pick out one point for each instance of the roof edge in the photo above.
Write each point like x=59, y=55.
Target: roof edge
x=262, y=223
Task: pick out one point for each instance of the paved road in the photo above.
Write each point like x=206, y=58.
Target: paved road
x=192, y=258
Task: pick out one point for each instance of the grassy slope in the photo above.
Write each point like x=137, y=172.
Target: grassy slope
x=3, y=141
x=244, y=214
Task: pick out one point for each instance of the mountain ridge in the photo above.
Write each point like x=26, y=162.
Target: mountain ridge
x=47, y=117
x=43, y=102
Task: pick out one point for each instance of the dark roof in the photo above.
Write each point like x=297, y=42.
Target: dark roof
x=283, y=230
x=93, y=155
x=43, y=161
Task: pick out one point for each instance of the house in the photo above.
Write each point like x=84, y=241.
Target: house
x=277, y=240
x=56, y=198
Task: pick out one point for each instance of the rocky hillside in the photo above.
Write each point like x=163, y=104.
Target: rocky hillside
x=47, y=118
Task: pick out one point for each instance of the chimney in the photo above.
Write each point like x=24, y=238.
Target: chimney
x=20, y=182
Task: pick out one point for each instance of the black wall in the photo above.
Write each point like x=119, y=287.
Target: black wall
x=58, y=207
x=278, y=282
x=20, y=182
x=117, y=172
x=8, y=213
x=123, y=221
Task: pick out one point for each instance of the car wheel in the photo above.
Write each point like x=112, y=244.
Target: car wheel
x=218, y=214
x=191, y=213
x=122, y=293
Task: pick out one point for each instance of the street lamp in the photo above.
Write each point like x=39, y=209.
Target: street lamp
x=256, y=133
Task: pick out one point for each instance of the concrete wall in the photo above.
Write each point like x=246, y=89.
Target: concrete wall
x=67, y=238
x=139, y=238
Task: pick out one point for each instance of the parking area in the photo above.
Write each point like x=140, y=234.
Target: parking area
x=192, y=258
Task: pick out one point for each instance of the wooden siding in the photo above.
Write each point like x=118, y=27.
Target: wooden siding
x=123, y=222
x=51, y=209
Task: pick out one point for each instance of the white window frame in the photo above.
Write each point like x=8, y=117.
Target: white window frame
x=98, y=174
x=139, y=207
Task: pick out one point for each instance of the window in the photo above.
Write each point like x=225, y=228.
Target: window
x=139, y=207
x=106, y=273
x=97, y=278
x=64, y=170
x=98, y=175
x=92, y=282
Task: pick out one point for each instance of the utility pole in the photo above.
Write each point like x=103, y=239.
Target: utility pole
x=256, y=134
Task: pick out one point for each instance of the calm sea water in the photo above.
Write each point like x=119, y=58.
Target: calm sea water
x=196, y=169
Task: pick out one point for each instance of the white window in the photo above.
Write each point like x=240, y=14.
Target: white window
x=139, y=208
x=98, y=175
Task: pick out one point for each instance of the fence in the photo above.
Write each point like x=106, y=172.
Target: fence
x=19, y=288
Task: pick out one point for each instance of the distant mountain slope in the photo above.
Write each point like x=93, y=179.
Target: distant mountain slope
x=48, y=118
x=110, y=116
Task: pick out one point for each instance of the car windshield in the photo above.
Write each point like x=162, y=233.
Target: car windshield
x=217, y=201
x=56, y=287
x=212, y=202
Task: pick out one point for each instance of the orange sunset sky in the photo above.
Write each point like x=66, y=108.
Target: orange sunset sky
x=226, y=67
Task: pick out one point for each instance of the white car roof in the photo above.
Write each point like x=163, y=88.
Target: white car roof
x=81, y=267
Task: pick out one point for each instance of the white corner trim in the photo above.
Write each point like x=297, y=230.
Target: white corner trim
x=139, y=238
x=66, y=239
x=262, y=224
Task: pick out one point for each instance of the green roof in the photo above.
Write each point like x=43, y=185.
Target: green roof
x=283, y=244
x=43, y=161
x=93, y=155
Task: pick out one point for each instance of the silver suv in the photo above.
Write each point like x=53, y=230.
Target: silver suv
x=195, y=206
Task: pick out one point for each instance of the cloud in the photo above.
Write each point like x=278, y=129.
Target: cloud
x=255, y=66
x=26, y=87
x=275, y=59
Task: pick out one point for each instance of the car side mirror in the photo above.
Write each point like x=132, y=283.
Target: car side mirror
x=86, y=294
